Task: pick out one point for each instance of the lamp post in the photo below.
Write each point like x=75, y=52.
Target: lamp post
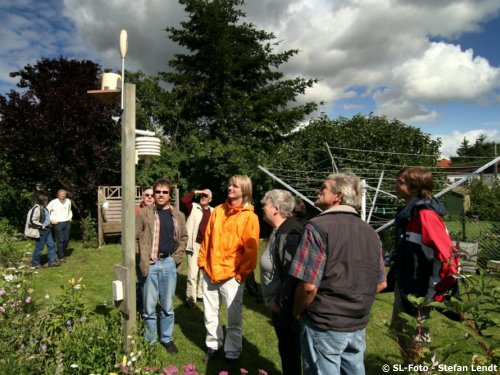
x=128, y=215
x=128, y=198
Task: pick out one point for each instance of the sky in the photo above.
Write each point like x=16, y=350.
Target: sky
x=432, y=64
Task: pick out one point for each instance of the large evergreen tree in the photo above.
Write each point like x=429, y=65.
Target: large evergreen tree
x=228, y=83
x=228, y=93
x=54, y=134
x=471, y=157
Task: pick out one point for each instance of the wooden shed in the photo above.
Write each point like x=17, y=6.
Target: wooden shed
x=109, y=209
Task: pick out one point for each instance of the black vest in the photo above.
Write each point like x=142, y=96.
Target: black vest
x=348, y=287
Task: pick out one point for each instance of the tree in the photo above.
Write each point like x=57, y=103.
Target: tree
x=228, y=94
x=359, y=143
x=55, y=135
x=364, y=145
x=485, y=201
x=473, y=156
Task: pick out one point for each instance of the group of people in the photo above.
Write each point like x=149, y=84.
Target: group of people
x=44, y=218
x=319, y=277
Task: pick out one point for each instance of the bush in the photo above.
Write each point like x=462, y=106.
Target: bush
x=89, y=233
x=8, y=251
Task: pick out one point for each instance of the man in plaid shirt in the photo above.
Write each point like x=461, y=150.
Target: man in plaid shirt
x=339, y=269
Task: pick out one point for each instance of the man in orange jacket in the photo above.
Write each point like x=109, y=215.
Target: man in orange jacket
x=227, y=255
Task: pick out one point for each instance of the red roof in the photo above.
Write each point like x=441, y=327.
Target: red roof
x=443, y=163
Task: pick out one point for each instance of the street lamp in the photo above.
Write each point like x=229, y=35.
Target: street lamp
x=123, y=52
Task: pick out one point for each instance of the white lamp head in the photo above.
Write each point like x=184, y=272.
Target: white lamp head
x=123, y=43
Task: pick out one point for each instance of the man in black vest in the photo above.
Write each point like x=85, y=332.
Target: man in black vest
x=338, y=264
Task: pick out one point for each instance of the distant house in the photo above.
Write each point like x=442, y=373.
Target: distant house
x=456, y=173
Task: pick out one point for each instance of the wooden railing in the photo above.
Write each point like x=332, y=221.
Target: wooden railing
x=109, y=215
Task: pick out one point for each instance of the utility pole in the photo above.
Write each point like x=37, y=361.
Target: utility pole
x=128, y=215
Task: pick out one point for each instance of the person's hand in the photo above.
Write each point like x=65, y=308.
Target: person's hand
x=53, y=221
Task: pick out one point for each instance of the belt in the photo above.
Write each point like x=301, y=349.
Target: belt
x=164, y=256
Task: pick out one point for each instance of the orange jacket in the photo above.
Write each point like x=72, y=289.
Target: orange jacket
x=231, y=243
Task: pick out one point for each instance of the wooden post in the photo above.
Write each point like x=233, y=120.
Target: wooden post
x=128, y=215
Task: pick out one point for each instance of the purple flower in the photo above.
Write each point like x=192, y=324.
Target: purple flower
x=170, y=370
x=43, y=347
x=223, y=373
x=28, y=299
x=243, y=371
x=2, y=292
x=69, y=323
x=262, y=372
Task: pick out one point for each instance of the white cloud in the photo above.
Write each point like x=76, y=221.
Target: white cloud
x=446, y=73
x=394, y=104
x=378, y=48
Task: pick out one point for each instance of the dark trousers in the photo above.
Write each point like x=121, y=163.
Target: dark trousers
x=61, y=230
x=288, y=346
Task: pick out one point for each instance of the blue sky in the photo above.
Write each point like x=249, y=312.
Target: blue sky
x=432, y=64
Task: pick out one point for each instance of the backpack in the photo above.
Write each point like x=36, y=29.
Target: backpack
x=31, y=228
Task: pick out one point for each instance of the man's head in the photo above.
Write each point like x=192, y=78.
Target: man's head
x=277, y=203
x=148, y=198
x=339, y=189
x=163, y=190
x=414, y=182
x=239, y=188
x=61, y=194
x=205, y=198
x=42, y=199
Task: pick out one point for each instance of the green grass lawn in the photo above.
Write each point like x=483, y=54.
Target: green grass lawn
x=96, y=267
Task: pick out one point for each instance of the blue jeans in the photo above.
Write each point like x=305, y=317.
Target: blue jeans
x=62, y=230
x=332, y=352
x=45, y=238
x=159, y=284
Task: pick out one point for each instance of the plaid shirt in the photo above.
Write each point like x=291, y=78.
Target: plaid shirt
x=309, y=261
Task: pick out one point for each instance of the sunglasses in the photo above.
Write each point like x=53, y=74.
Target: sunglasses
x=166, y=192
x=148, y=195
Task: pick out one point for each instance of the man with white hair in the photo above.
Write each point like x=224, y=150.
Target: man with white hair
x=338, y=267
x=198, y=215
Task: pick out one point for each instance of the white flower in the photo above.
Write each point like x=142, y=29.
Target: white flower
x=78, y=286
x=74, y=365
x=47, y=296
x=9, y=278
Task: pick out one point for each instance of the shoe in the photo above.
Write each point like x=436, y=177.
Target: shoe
x=62, y=260
x=209, y=354
x=231, y=361
x=199, y=298
x=54, y=265
x=36, y=266
x=171, y=348
x=191, y=304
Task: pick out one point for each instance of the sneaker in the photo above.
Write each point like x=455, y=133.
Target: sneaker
x=191, y=304
x=62, y=260
x=54, y=265
x=170, y=347
x=209, y=354
x=37, y=266
x=199, y=298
